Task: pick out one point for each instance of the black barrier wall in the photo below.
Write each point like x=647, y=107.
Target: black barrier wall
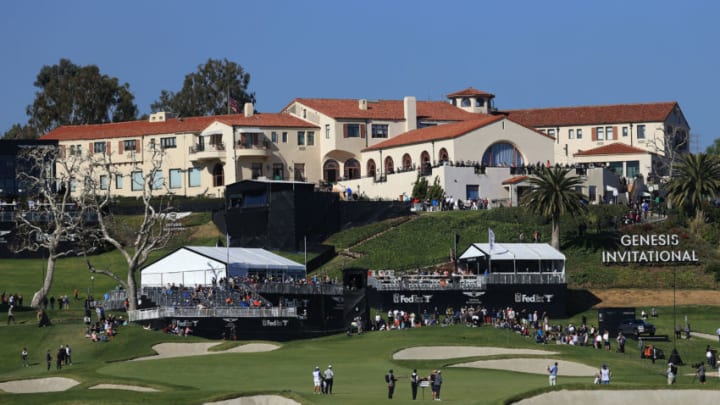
x=287, y=215
x=545, y=298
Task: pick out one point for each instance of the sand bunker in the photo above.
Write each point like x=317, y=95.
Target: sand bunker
x=635, y=397
x=454, y=352
x=123, y=387
x=534, y=366
x=257, y=400
x=170, y=350
x=52, y=384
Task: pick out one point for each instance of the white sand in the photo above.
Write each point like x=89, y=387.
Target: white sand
x=123, y=387
x=257, y=400
x=52, y=384
x=605, y=396
x=534, y=366
x=170, y=350
x=453, y=352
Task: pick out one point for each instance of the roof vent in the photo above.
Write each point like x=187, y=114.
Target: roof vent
x=362, y=104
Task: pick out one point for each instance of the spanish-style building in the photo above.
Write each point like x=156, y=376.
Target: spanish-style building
x=377, y=148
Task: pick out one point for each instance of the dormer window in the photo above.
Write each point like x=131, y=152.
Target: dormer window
x=479, y=102
x=465, y=102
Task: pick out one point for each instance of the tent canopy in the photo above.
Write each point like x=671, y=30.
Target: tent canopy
x=191, y=265
x=519, y=257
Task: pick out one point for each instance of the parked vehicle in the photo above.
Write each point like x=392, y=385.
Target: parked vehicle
x=637, y=327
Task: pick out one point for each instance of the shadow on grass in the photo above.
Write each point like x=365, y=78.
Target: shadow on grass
x=604, y=240
x=579, y=301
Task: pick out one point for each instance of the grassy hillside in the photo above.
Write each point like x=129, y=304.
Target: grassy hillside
x=427, y=240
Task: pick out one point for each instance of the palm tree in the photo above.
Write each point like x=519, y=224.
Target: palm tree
x=695, y=179
x=553, y=193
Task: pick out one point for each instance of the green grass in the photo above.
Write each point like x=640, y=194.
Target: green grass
x=360, y=362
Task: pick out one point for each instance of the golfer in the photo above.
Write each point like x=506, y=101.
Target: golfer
x=552, y=371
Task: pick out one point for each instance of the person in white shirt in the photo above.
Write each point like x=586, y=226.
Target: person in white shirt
x=605, y=374
x=329, y=375
x=316, y=381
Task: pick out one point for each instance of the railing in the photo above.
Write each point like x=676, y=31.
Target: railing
x=527, y=278
x=463, y=282
x=219, y=312
x=213, y=147
x=427, y=283
x=282, y=288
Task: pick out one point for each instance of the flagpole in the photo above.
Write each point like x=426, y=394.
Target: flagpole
x=227, y=265
x=228, y=99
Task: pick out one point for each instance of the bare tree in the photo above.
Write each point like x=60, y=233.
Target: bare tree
x=669, y=148
x=135, y=240
x=49, y=216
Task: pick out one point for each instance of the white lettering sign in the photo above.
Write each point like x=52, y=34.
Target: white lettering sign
x=652, y=255
x=411, y=299
x=534, y=298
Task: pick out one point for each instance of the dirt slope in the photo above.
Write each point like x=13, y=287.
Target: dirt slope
x=621, y=297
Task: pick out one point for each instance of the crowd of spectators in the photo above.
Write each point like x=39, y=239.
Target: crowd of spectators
x=105, y=328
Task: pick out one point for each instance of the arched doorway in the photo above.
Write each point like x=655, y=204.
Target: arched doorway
x=406, y=162
x=330, y=171
x=352, y=169
x=371, y=169
x=443, y=155
x=389, y=165
x=218, y=175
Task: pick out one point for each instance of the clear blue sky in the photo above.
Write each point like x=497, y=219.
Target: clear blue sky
x=528, y=53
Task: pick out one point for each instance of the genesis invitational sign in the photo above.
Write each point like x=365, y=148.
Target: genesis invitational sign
x=654, y=248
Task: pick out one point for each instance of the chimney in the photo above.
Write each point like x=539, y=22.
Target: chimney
x=410, y=107
x=248, y=109
x=160, y=116
x=362, y=104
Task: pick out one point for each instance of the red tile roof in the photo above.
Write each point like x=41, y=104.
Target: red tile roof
x=384, y=109
x=515, y=180
x=469, y=92
x=617, y=148
x=438, y=132
x=170, y=126
x=587, y=115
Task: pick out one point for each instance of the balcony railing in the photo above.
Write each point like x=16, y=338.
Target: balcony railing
x=219, y=312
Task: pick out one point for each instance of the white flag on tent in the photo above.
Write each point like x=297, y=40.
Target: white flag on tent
x=491, y=238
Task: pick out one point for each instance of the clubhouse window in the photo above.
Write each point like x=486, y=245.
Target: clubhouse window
x=379, y=130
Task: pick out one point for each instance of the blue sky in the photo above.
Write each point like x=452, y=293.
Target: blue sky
x=527, y=53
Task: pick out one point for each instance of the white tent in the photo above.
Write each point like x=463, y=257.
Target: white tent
x=515, y=257
x=191, y=265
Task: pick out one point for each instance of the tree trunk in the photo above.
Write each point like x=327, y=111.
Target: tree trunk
x=556, y=233
x=47, y=284
x=132, y=290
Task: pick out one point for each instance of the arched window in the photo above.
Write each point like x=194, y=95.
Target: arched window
x=407, y=162
x=371, y=169
x=218, y=175
x=465, y=102
x=425, y=164
x=352, y=169
x=443, y=155
x=330, y=171
x=389, y=165
x=502, y=154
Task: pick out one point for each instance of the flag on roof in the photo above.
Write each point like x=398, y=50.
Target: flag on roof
x=234, y=105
